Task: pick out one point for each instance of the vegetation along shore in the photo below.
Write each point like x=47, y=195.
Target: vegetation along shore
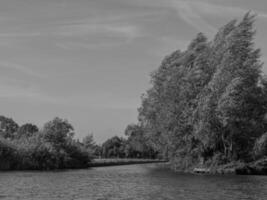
x=207, y=107
x=53, y=147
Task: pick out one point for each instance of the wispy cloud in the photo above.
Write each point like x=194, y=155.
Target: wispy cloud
x=168, y=45
x=20, y=34
x=208, y=8
x=115, y=30
x=112, y=35
x=188, y=13
x=19, y=68
x=13, y=90
x=77, y=34
x=76, y=30
x=192, y=11
x=21, y=93
x=75, y=45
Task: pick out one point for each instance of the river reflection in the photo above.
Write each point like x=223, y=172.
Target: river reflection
x=144, y=182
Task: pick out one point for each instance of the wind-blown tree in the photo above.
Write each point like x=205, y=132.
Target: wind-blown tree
x=207, y=104
x=231, y=104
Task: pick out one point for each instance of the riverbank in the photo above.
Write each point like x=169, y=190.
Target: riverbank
x=94, y=163
x=258, y=167
x=122, y=161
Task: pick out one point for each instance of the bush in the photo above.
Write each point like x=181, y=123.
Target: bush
x=51, y=148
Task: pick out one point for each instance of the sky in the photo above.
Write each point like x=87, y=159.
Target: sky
x=89, y=61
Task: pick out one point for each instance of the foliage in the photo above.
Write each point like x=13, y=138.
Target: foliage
x=58, y=132
x=27, y=130
x=113, y=148
x=209, y=101
x=7, y=127
x=137, y=145
x=8, y=154
x=51, y=148
x=91, y=146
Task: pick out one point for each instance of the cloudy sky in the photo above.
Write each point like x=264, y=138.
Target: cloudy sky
x=89, y=60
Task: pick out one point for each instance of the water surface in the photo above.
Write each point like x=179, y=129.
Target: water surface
x=131, y=182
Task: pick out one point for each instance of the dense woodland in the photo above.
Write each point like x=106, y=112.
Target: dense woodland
x=207, y=105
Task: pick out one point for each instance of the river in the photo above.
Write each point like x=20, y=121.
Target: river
x=129, y=182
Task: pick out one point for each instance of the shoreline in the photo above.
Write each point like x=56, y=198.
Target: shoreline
x=122, y=161
x=94, y=163
x=258, y=167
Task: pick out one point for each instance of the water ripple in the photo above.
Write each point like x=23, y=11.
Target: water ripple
x=132, y=182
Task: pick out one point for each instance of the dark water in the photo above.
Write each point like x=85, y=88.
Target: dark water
x=144, y=182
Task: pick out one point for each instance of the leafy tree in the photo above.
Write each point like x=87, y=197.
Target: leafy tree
x=137, y=145
x=207, y=104
x=113, y=148
x=8, y=127
x=90, y=145
x=58, y=132
x=27, y=130
x=88, y=141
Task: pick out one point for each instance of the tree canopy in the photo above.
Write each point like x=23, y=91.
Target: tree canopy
x=52, y=147
x=207, y=104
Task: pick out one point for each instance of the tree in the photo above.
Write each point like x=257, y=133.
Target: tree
x=8, y=127
x=113, y=148
x=207, y=104
x=51, y=148
x=27, y=130
x=88, y=141
x=90, y=145
x=58, y=132
x=137, y=145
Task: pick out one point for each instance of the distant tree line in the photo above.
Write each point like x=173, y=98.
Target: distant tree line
x=208, y=104
x=134, y=145
x=54, y=147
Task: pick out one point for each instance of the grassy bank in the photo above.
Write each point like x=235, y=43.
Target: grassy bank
x=122, y=161
x=258, y=167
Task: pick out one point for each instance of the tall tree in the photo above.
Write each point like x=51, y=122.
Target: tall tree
x=58, y=132
x=208, y=102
